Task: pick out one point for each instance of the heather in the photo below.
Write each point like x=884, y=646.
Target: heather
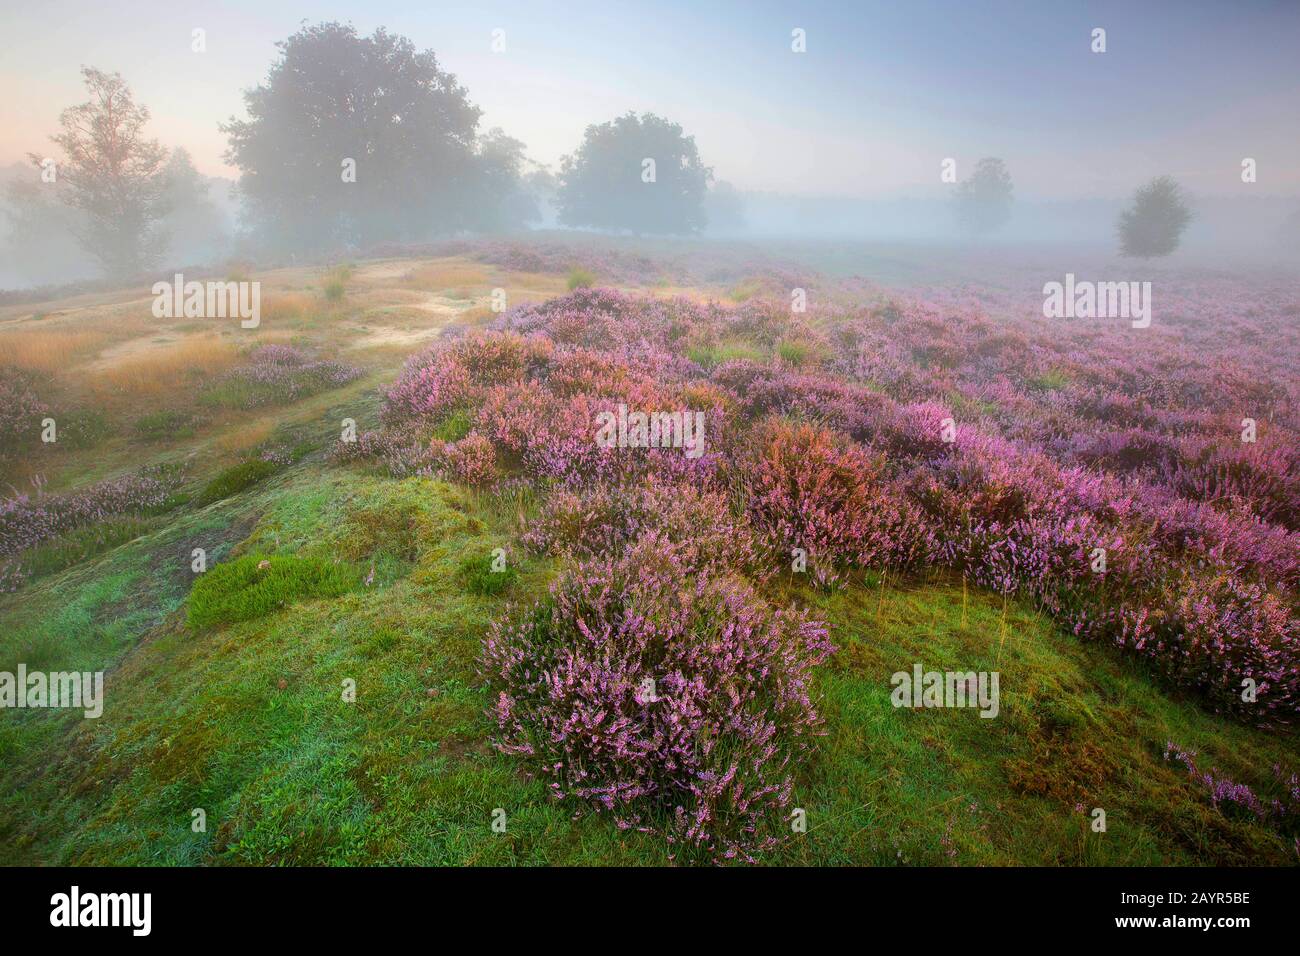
x=21, y=411
x=678, y=704
x=837, y=447
x=276, y=375
x=27, y=521
x=475, y=503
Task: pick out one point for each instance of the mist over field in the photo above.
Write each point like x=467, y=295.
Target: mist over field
x=594, y=434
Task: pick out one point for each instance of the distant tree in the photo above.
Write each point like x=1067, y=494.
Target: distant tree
x=604, y=184
x=983, y=201
x=1153, y=226
x=506, y=201
x=41, y=244
x=725, y=208
x=335, y=104
x=196, y=228
x=113, y=175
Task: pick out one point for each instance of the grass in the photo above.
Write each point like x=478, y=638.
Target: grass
x=335, y=284
x=235, y=479
x=80, y=544
x=170, y=368
x=452, y=274
x=713, y=354
x=255, y=584
x=247, y=718
x=487, y=574
x=49, y=350
x=454, y=427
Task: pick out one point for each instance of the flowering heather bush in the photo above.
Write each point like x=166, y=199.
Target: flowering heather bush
x=21, y=410
x=277, y=374
x=1282, y=811
x=398, y=452
x=677, y=703
x=1065, y=442
x=605, y=520
x=447, y=376
x=810, y=489
x=472, y=460
x=27, y=522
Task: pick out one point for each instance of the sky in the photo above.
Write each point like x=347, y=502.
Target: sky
x=883, y=94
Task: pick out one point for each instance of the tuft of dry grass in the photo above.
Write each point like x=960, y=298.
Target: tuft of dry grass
x=244, y=436
x=50, y=350
x=438, y=276
x=169, y=367
x=289, y=306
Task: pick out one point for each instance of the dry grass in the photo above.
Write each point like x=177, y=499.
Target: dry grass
x=288, y=307
x=245, y=436
x=50, y=350
x=447, y=275
x=478, y=316
x=169, y=367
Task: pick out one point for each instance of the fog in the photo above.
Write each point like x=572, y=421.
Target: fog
x=924, y=126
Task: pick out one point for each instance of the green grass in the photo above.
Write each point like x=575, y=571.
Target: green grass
x=255, y=584
x=168, y=424
x=455, y=426
x=727, y=350
x=235, y=479
x=247, y=719
x=81, y=544
x=487, y=574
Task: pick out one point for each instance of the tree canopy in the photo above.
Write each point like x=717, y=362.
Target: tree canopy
x=983, y=200
x=113, y=175
x=354, y=140
x=638, y=173
x=1153, y=225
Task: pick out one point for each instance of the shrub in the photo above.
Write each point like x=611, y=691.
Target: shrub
x=472, y=460
x=235, y=479
x=580, y=279
x=813, y=490
x=21, y=411
x=276, y=374
x=676, y=703
x=605, y=520
x=456, y=374
x=255, y=584
x=27, y=522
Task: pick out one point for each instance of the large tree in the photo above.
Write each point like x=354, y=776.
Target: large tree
x=113, y=175
x=1153, y=226
x=196, y=228
x=983, y=200
x=356, y=139
x=639, y=173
